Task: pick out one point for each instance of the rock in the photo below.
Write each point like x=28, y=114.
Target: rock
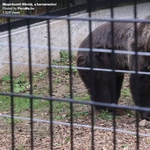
x=144, y=123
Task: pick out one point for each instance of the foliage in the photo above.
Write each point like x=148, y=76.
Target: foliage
x=20, y=84
x=106, y=115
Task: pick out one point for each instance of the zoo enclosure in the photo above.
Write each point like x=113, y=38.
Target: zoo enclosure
x=70, y=100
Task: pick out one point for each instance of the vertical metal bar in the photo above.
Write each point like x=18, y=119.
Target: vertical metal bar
x=73, y=2
x=136, y=74
x=50, y=83
x=70, y=73
x=63, y=4
x=113, y=74
x=11, y=85
x=93, y=5
x=91, y=74
x=30, y=80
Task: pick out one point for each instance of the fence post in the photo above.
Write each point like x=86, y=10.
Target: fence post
x=92, y=8
x=72, y=2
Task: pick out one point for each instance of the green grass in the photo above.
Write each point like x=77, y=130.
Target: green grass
x=21, y=104
x=64, y=61
x=124, y=146
x=105, y=115
x=60, y=106
x=130, y=113
x=8, y=120
x=40, y=75
x=6, y=78
x=4, y=103
x=125, y=92
x=81, y=114
x=86, y=97
x=21, y=147
x=21, y=84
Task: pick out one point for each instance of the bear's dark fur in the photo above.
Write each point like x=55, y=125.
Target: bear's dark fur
x=124, y=39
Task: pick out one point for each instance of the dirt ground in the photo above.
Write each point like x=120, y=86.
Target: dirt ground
x=103, y=138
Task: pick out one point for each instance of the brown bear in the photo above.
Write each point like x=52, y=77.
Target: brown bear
x=123, y=39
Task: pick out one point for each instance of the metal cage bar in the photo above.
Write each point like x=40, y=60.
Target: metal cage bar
x=91, y=6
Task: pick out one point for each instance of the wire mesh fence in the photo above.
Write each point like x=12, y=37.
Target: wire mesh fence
x=73, y=102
